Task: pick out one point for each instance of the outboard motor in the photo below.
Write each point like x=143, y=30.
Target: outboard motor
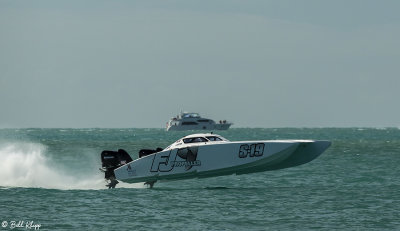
x=111, y=160
x=146, y=152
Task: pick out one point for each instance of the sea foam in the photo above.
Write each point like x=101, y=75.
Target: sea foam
x=24, y=164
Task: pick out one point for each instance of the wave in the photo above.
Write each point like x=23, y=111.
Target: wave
x=24, y=164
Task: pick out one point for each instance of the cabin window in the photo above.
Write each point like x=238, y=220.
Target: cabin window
x=203, y=121
x=191, y=115
x=194, y=140
x=214, y=138
x=189, y=123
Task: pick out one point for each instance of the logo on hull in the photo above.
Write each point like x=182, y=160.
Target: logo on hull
x=183, y=157
x=131, y=171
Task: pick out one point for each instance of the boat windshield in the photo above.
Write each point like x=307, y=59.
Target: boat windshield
x=214, y=138
x=194, y=140
x=191, y=115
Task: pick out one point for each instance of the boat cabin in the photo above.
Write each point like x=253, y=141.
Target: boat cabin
x=197, y=138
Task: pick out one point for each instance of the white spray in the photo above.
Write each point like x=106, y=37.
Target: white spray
x=26, y=165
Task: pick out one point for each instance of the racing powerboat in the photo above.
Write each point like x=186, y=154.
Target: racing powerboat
x=207, y=155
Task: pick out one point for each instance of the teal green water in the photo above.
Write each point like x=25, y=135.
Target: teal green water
x=51, y=177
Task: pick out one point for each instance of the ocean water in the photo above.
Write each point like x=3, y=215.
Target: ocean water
x=49, y=180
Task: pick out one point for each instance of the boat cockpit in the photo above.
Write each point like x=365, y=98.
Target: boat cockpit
x=197, y=138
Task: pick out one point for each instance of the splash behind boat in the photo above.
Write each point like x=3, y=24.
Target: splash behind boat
x=208, y=155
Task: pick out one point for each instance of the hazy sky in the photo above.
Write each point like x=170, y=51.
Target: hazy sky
x=298, y=63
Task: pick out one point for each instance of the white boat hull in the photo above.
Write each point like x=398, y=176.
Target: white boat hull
x=217, y=159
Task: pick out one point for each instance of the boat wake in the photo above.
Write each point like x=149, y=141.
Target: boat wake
x=26, y=165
